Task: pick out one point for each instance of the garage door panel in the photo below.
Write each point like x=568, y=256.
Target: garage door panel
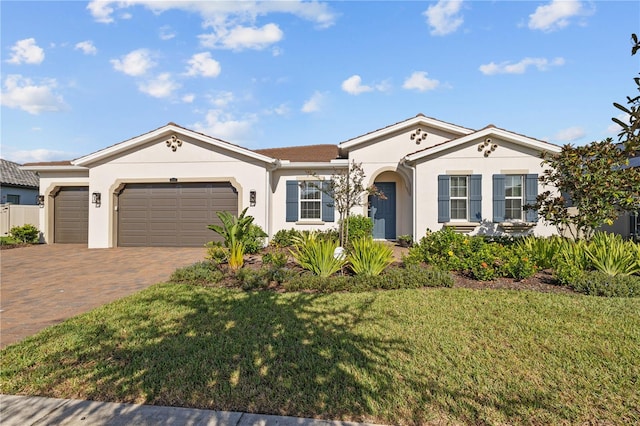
x=172, y=214
x=71, y=215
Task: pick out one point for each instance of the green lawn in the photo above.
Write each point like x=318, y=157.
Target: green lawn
x=395, y=357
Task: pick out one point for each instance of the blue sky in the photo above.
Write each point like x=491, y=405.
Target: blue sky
x=79, y=76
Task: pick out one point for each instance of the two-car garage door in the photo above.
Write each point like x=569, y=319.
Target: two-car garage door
x=172, y=215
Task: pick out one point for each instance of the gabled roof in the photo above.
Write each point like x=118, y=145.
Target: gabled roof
x=11, y=174
x=302, y=154
x=490, y=130
x=419, y=119
x=165, y=131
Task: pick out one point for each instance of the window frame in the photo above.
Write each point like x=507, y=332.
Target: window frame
x=305, y=185
x=16, y=197
x=453, y=198
x=521, y=198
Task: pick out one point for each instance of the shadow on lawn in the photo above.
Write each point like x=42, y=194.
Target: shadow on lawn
x=254, y=352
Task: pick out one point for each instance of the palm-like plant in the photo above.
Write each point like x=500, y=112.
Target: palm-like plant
x=317, y=255
x=368, y=257
x=610, y=254
x=234, y=230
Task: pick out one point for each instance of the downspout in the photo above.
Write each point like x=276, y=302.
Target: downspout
x=405, y=163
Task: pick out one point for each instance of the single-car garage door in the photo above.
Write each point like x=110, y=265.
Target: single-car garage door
x=172, y=215
x=71, y=215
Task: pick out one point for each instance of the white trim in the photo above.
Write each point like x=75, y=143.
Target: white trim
x=36, y=168
x=412, y=122
x=334, y=164
x=489, y=131
x=166, y=131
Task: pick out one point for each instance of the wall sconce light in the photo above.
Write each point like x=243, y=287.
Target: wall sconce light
x=252, y=198
x=96, y=199
x=40, y=200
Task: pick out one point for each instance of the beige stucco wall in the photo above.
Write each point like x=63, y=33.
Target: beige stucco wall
x=508, y=158
x=278, y=218
x=154, y=162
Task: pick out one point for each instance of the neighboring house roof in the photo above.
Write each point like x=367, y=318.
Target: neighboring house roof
x=487, y=131
x=419, y=119
x=308, y=153
x=12, y=175
x=634, y=162
x=162, y=132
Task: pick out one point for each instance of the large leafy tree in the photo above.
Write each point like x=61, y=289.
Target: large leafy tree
x=595, y=178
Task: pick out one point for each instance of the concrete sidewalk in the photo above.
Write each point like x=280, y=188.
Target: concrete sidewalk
x=33, y=410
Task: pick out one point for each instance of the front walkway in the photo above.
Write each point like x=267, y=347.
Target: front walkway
x=43, y=285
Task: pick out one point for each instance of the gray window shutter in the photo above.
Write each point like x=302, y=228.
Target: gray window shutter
x=531, y=192
x=292, y=200
x=444, y=201
x=499, y=205
x=475, y=198
x=328, y=208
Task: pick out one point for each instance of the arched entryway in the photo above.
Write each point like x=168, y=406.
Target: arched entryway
x=391, y=213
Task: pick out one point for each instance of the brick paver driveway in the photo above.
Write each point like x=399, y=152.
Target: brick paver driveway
x=46, y=284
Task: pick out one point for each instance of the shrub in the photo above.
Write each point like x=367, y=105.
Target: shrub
x=25, y=234
x=518, y=265
x=200, y=272
x=542, y=251
x=444, y=249
x=285, y=237
x=610, y=254
x=253, y=240
x=275, y=259
x=316, y=255
x=598, y=283
x=368, y=257
x=216, y=253
x=571, y=261
x=391, y=279
x=405, y=240
x=7, y=241
x=237, y=233
x=359, y=227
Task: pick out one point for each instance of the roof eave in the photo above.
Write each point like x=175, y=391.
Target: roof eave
x=170, y=128
x=304, y=165
x=44, y=168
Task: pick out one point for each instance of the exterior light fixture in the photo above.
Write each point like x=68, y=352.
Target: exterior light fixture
x=96, y=199
x=252, y=198
x=173, y=180
x=40, y=200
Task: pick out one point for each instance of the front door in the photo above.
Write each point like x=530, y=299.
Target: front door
x=383, y=211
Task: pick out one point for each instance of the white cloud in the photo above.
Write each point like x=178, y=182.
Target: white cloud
x=216, y=13
x=443, y=17
x=188, y=98
x=353, y=85
x=36, y=155
x=614, y=128
x=221, y=125
x=570, y=134
x=160, y=87
x=314, y=103
x=221, y=99
x=542, y=64
x=202, y=64
x=26, y=51
x=420, y=82
x=135, y=63
x=166, y=33
x=555, y=15
x=87, y=47
x=22, y=93
x=239, y=37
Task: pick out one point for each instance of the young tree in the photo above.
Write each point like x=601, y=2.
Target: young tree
x=630, y=133
x=595, y=179
x=347, y=189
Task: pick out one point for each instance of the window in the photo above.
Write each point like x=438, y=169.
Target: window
x=307, y=203
x=13, y=199
x=513, y=191
x=310, y=201
x=459, y=197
